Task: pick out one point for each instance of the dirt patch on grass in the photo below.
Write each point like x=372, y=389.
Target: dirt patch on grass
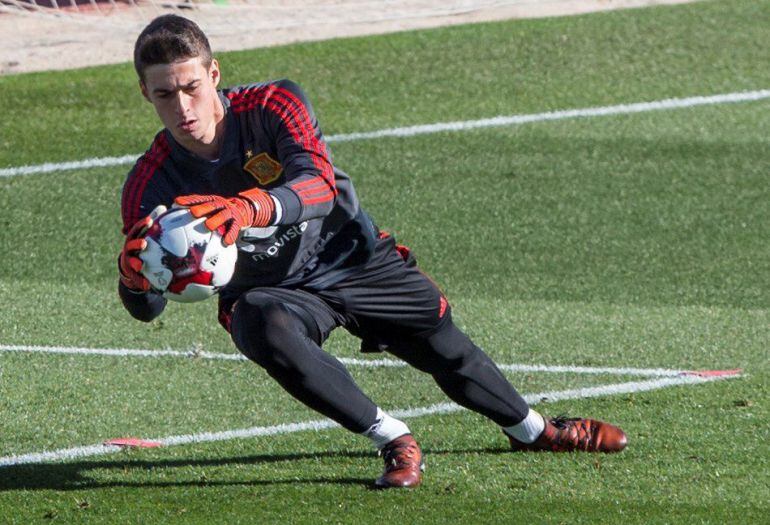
x=41, y=41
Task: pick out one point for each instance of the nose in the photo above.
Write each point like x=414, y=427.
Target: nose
x=181, y=103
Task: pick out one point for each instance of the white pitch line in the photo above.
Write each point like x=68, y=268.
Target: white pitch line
x=621, y=371
x=119, y=352
x=439, y=127
x=621, y=109
x=49, y=167
x=441, y=408
x=127, y=352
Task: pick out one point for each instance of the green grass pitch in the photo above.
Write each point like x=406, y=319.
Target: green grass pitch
x=621, y=241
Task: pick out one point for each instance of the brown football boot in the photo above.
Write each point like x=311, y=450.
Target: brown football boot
x=565, y=435
x=403, y=463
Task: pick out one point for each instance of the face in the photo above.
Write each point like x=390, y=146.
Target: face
x=185, y=98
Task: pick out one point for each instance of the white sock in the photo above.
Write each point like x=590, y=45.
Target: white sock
x=529, y=429
x=385, y=429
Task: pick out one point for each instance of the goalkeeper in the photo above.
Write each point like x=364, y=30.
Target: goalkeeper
x=252, y=160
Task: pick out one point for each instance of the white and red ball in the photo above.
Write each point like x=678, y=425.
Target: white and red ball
x=184, y=260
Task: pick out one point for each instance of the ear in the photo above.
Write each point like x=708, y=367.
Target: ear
x=143, y=89
x=214, y=72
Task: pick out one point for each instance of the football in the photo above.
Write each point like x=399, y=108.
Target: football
x=184, y=260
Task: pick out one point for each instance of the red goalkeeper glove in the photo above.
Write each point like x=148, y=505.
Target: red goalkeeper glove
x=129, y=263
x=250, y=208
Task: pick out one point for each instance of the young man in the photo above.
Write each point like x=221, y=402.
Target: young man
x=252, y=160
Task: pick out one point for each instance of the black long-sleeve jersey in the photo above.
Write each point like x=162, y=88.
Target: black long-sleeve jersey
x=272, y=141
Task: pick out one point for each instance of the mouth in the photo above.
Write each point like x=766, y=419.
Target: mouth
x=187, y=125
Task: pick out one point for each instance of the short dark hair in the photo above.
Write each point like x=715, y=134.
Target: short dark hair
x=168, y=39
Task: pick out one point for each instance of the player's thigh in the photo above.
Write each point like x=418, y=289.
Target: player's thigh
x=261, y=310
x=397, y=303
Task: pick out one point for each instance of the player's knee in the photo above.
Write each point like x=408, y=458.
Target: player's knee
x=262, y=329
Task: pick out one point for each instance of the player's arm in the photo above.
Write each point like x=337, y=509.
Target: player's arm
x=309, y=189
x=134, y=290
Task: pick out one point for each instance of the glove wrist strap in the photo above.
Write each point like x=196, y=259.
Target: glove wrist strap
x=263, y=205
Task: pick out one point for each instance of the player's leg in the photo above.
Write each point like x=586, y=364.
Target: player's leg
x=465, y=373
x=402, y=309
x=470, y=378
x=282, y=330
x=392, y=302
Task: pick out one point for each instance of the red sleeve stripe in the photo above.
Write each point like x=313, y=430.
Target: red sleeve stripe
x=321, y=157
x=313, y=191
x=315, y=147
x=147, y=166
x=316, y=150
x=301, y=119
x=300, y=115
x=290, y=110
x=249, y=98
x=246, y=99
x=319, y=190
x=315, y=181
x=317, y=200
x=289, y=117
x=295, y=116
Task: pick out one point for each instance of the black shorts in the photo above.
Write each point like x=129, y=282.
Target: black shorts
x=387, y=299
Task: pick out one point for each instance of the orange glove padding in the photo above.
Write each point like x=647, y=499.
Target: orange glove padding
x=129, y=263
x=251, y=208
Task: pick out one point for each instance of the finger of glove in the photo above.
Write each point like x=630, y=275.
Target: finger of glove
x=207, y=208
x=136, y=282
x=135, y=263
x=218, y=219
x=135, y=245
x=130, y=276
x=139, y=228
x=192, y=200
x=130, y=265
x=157, y=212
x=123, y=266
x=231, y=234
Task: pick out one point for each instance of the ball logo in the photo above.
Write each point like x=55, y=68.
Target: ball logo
x=160, y=278
x=182, y=266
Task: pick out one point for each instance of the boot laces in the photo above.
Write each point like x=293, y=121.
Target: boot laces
x=398, y=456
x=572, y=431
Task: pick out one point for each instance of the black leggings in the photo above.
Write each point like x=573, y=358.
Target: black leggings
x=281, y=336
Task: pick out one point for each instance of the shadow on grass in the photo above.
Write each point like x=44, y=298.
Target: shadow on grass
x=77, y=475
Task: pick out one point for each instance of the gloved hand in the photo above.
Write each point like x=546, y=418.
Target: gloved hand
x=252, y=208
x=129, y=263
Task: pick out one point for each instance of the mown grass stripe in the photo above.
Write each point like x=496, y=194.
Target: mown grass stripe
x=127, y=352
x=440, y=127
x=322, y=424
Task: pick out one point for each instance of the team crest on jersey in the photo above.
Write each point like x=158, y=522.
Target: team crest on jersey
x=264, y=168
